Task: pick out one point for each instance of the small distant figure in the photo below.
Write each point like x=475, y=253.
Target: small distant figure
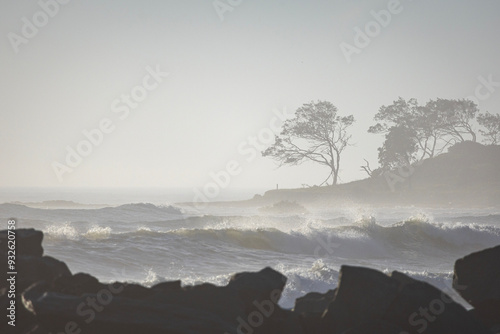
x=276, y=186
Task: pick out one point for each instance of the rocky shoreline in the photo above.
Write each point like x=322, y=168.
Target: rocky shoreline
x=48, y=298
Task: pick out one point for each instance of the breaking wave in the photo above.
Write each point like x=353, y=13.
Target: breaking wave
x=365, y=239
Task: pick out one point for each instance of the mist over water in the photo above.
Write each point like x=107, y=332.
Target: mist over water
x=150, y=243
x=166, y=141
x=104, y=196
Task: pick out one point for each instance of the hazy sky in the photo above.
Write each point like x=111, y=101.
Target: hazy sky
x=225, y=79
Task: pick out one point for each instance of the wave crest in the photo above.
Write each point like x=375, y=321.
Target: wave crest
x=70, y=232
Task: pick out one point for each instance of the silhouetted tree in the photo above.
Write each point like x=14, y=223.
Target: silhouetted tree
x=409, y=115
x=432, y=128
x=366, y=168
x=455, y=117
x=491, y=123
x=399, y=148
x=316, y=134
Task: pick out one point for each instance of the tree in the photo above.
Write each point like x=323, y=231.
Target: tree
x=366, y=168
x=316, y=134
x=399, y=148
x=455, y=117
x=492, y=125
x=404, y=114
x=400, y=113
x=433, y=127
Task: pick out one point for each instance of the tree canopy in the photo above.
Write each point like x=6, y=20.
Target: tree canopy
x=491, y=131
x=317, y=134
x=414, y=132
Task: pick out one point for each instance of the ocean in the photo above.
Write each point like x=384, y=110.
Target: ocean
x=143, y=236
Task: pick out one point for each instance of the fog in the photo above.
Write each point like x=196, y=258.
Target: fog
x=211, y=78
x=238, y=166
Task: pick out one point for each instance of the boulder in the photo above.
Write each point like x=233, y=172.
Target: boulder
x=477, y=280
x=167, y=286
x=314, y=303
x=246, y=304
x=488, y=313
x=375, y=327
x=363, y=295
x=28, y=242
x=59, y=313
x=24, y=320
x=477, y=276
x=76, y=285
x=50, y=299
x=311, y=307
x=263, y=285
x=32, y=269
x=420, y=307
x=366, y=296
x=81, y=283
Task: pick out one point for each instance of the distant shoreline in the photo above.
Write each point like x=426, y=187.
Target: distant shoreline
x=467, y=176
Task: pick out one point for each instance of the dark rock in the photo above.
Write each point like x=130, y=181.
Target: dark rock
x=366, y=296
x=81, y=283
x=167, y=286
x=477, y=276
x=420, y=307
x=135, y=291
x=30, y=270
x=30, y=267
x=488, y=313
x=366, y=301
x=121, y=315
x=76, y=285
x=33, y=292
x=376, y=327
x=314, y=303
x=477, y=280
x=263, y=285
x=34, y=269
x=363, y=295
x=311, y=307
x=166, y=308
x=28, y=242
x=25, y=321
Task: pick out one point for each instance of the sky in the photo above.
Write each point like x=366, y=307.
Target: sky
x=182, y=92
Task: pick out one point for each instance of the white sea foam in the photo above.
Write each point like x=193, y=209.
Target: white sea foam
x=97, y=233
x=308, y=250
x=71, y=232
x=61, y=231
